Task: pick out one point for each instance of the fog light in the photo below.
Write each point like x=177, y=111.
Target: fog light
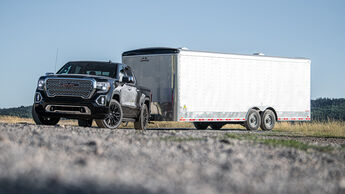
x=38, y=97
x=101, y=100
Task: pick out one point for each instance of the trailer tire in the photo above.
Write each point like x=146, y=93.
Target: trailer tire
x=268, y=120
x=216, y=126
x=201, y=125
x=253, y=120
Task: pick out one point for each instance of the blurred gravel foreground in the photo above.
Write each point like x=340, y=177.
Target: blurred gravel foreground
x=70, y=159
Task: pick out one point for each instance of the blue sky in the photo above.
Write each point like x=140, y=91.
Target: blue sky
x=31, y=32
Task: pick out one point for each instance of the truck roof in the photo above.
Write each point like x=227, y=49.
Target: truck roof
x=169, y=50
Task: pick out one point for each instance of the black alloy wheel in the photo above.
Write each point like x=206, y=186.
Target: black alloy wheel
x=43, y=120
x=143, y=119
x=114, y=117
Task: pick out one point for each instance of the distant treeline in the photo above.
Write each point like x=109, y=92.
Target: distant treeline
x=322, y=109
x=22, y=111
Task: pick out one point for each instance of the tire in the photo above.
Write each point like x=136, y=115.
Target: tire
x=113, y=119
x=216, y=126
x=42, y=120
x=142, y=119
x=268, y=120
x=85, y=122
x=201, y=125
x=253, y=120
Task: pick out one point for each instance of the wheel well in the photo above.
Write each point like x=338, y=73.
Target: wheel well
x=116, y=97
x=275, y=114
x=147, y=102
x=255, y=108
x=270, y=108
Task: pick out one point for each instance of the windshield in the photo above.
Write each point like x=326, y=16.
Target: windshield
x=89, y=68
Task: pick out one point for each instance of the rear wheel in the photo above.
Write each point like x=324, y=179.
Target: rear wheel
x=268, y=120
x=113, y=119
x=216, y=126
x=143, y=119
x=201, y=125
x=85, y=122
x=253, y=120
x=43, y=120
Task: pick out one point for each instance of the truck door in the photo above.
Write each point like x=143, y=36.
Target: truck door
x=129, y=95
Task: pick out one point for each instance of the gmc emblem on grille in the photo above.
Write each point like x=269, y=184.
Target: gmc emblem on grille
x=69, y=85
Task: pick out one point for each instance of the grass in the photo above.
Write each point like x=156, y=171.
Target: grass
x=13, y=120
x=316, y=129
x=279, y=142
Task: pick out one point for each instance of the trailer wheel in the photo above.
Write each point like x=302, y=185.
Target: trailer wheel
x=253, y=120
x=201, y=125
x=268, y=120
x=216, y=126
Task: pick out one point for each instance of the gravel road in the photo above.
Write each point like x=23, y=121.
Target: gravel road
x=70, y=159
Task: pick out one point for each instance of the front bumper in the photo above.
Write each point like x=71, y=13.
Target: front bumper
x=71, y=107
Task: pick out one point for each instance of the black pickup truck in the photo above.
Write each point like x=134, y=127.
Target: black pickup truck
x=88, y=90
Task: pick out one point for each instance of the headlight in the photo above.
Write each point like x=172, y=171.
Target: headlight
x=102, y=86
x=40, y=84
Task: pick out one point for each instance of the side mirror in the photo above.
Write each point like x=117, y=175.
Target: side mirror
x=130, y=79
x=49, y=73
x=125, y=79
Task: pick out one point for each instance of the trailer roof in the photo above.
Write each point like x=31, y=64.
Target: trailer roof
x=153, y=50
x=168, y=50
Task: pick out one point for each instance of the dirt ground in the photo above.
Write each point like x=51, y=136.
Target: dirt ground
x=71, y=159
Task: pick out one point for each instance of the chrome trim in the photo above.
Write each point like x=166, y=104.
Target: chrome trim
x=105, y=98
x=94, y=83
x=87, y=110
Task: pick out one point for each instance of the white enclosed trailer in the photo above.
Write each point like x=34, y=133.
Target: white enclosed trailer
x=212, y=89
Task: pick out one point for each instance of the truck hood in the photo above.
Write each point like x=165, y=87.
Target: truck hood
x=81, y=76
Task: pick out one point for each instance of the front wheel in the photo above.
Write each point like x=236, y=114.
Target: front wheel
x=43, y=120
x=143, y=119
x=113, y=119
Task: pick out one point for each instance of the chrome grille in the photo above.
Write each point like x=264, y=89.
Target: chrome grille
x=83, y=88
